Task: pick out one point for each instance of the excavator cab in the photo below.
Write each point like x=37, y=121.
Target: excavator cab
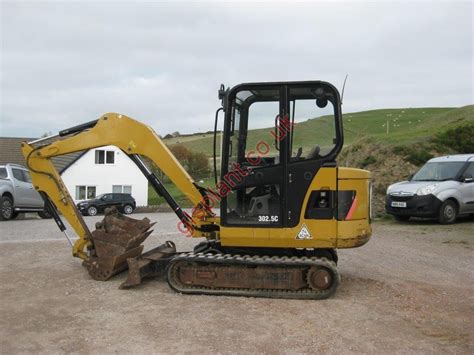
x=276, y=138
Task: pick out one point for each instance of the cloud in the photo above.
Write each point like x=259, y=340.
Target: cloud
x=162, y=63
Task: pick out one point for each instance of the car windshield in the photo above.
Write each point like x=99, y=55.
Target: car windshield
x=440, y=171
x=99, y=196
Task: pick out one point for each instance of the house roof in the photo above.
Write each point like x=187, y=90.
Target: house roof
x=10, y=152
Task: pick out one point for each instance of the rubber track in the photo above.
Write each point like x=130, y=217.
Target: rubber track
x=238, y=260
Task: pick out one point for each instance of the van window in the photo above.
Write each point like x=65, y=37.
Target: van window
x=438, y=171
x=470, y=170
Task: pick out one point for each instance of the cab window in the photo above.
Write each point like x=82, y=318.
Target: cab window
x=261, y=148
x=252, y=134
x=312, y=122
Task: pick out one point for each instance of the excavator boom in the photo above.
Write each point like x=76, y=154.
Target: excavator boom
x=117, y=238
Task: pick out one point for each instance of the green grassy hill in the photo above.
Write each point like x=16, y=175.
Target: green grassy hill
x=389, y=156
x=405, y=125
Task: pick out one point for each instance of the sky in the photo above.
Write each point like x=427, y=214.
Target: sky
x=65, y=63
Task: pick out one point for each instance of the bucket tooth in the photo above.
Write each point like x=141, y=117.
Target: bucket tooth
x=139, y=239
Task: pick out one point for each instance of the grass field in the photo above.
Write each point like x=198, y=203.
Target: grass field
x=406, y=127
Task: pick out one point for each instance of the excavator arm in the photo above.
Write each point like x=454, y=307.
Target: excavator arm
x=135, y=139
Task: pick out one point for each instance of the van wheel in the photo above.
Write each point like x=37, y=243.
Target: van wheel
x=6, y=208
x=44, y=214
x=92, y=211
x=448, y=212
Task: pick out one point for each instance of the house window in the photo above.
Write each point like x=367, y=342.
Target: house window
x=99, y=157
x=85, y=192
x=104, y=156
x=110, y=157
x=118, y=189
x=90, y=192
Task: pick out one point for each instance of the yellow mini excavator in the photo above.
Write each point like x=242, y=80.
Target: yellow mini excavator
x=285, y=205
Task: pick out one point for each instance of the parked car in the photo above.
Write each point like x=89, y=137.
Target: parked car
x=443, y=188
x=125, y=203
x=17, y=193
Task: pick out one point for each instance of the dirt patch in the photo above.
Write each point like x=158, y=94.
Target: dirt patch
x=408, y=290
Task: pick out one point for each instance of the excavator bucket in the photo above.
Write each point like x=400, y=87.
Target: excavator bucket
x=116, y=239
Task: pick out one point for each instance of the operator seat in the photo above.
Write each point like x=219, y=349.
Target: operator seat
x=314, y=152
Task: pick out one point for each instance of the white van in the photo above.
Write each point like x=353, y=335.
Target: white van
x=443, y=188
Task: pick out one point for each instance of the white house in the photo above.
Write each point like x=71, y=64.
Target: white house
x=104, y=170
x=90, y=173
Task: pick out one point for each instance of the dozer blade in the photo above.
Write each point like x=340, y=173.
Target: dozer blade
x=116, y=239
x=150, y=264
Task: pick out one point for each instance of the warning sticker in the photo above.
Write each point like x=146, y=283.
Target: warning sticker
x=304, y=233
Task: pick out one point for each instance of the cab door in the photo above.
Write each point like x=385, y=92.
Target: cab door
x=314, y=141
x=252, y=184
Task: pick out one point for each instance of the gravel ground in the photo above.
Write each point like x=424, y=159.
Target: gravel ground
x=410, y=289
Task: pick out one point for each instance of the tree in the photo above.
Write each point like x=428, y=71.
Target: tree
x=196, y=164
x=181, y=153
